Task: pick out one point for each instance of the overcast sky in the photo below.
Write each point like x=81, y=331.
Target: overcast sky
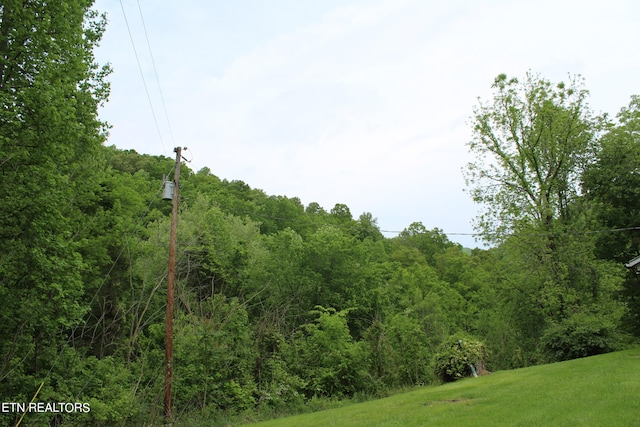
x=365, y=103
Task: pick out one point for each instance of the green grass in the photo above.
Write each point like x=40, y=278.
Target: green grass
x=594, y=391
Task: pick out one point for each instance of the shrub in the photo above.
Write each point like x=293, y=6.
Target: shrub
x=455, y=357
x=580, y=335
x=326, y=358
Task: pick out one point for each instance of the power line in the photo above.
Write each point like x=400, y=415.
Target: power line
x=144, y=81
x=610, y=230
x=258, y=215
x=155, y=71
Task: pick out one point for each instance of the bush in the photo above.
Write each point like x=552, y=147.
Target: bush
x=213, y=358
x=326, y=358
x=580, y=335
x=455, y=357
x=282, y=391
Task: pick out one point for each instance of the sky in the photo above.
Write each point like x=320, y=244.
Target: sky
x=362, y=103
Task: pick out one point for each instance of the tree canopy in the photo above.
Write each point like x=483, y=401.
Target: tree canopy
x=532, y=141
x=280, y=306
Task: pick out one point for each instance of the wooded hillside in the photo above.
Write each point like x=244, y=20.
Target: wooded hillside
x=279, y=304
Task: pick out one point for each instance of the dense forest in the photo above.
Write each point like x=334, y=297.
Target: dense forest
x=282, y=307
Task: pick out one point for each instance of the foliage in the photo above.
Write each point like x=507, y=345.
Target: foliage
x=585, y=333
x=612, y=183
x=459, y=357
x=281, y=390
x=409, y=351
x=429, y=243
x=282, y=307
x=532, y=142
x=326, y=357
x=596, y=390
x=50, y=90
x=213, y=358
x=101, y=383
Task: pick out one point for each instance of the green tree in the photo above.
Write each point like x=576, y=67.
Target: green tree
x=459, y=357
x=428, y=242
x=281, y=284
x=214, y=357
x=50, y=90
x=367, y=227
x=335, y=260
x=532, y=143
x=325, y=356
x=612, y=186
x=279, y=212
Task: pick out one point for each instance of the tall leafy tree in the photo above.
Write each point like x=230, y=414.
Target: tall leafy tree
x=612, y=185
x=50, y=90
x=428, y=242
x=531, y=143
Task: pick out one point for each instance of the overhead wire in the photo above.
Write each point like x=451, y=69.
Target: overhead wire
x=155, y=71
x=258, y=215
x=283, y=219
x=128, y=236
x=609, y=230
x=154, y=199
x=72, y=334
x=144, y=81
x=166, y=116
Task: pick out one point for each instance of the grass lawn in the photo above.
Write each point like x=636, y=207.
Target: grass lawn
x=594, y=391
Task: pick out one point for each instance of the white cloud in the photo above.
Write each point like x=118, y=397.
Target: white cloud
x=365, y=104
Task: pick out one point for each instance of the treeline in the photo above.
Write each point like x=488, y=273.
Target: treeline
x=282, y=307
x=279, y=306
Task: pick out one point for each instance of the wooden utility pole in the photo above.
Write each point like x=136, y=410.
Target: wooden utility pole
x=168, y=349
